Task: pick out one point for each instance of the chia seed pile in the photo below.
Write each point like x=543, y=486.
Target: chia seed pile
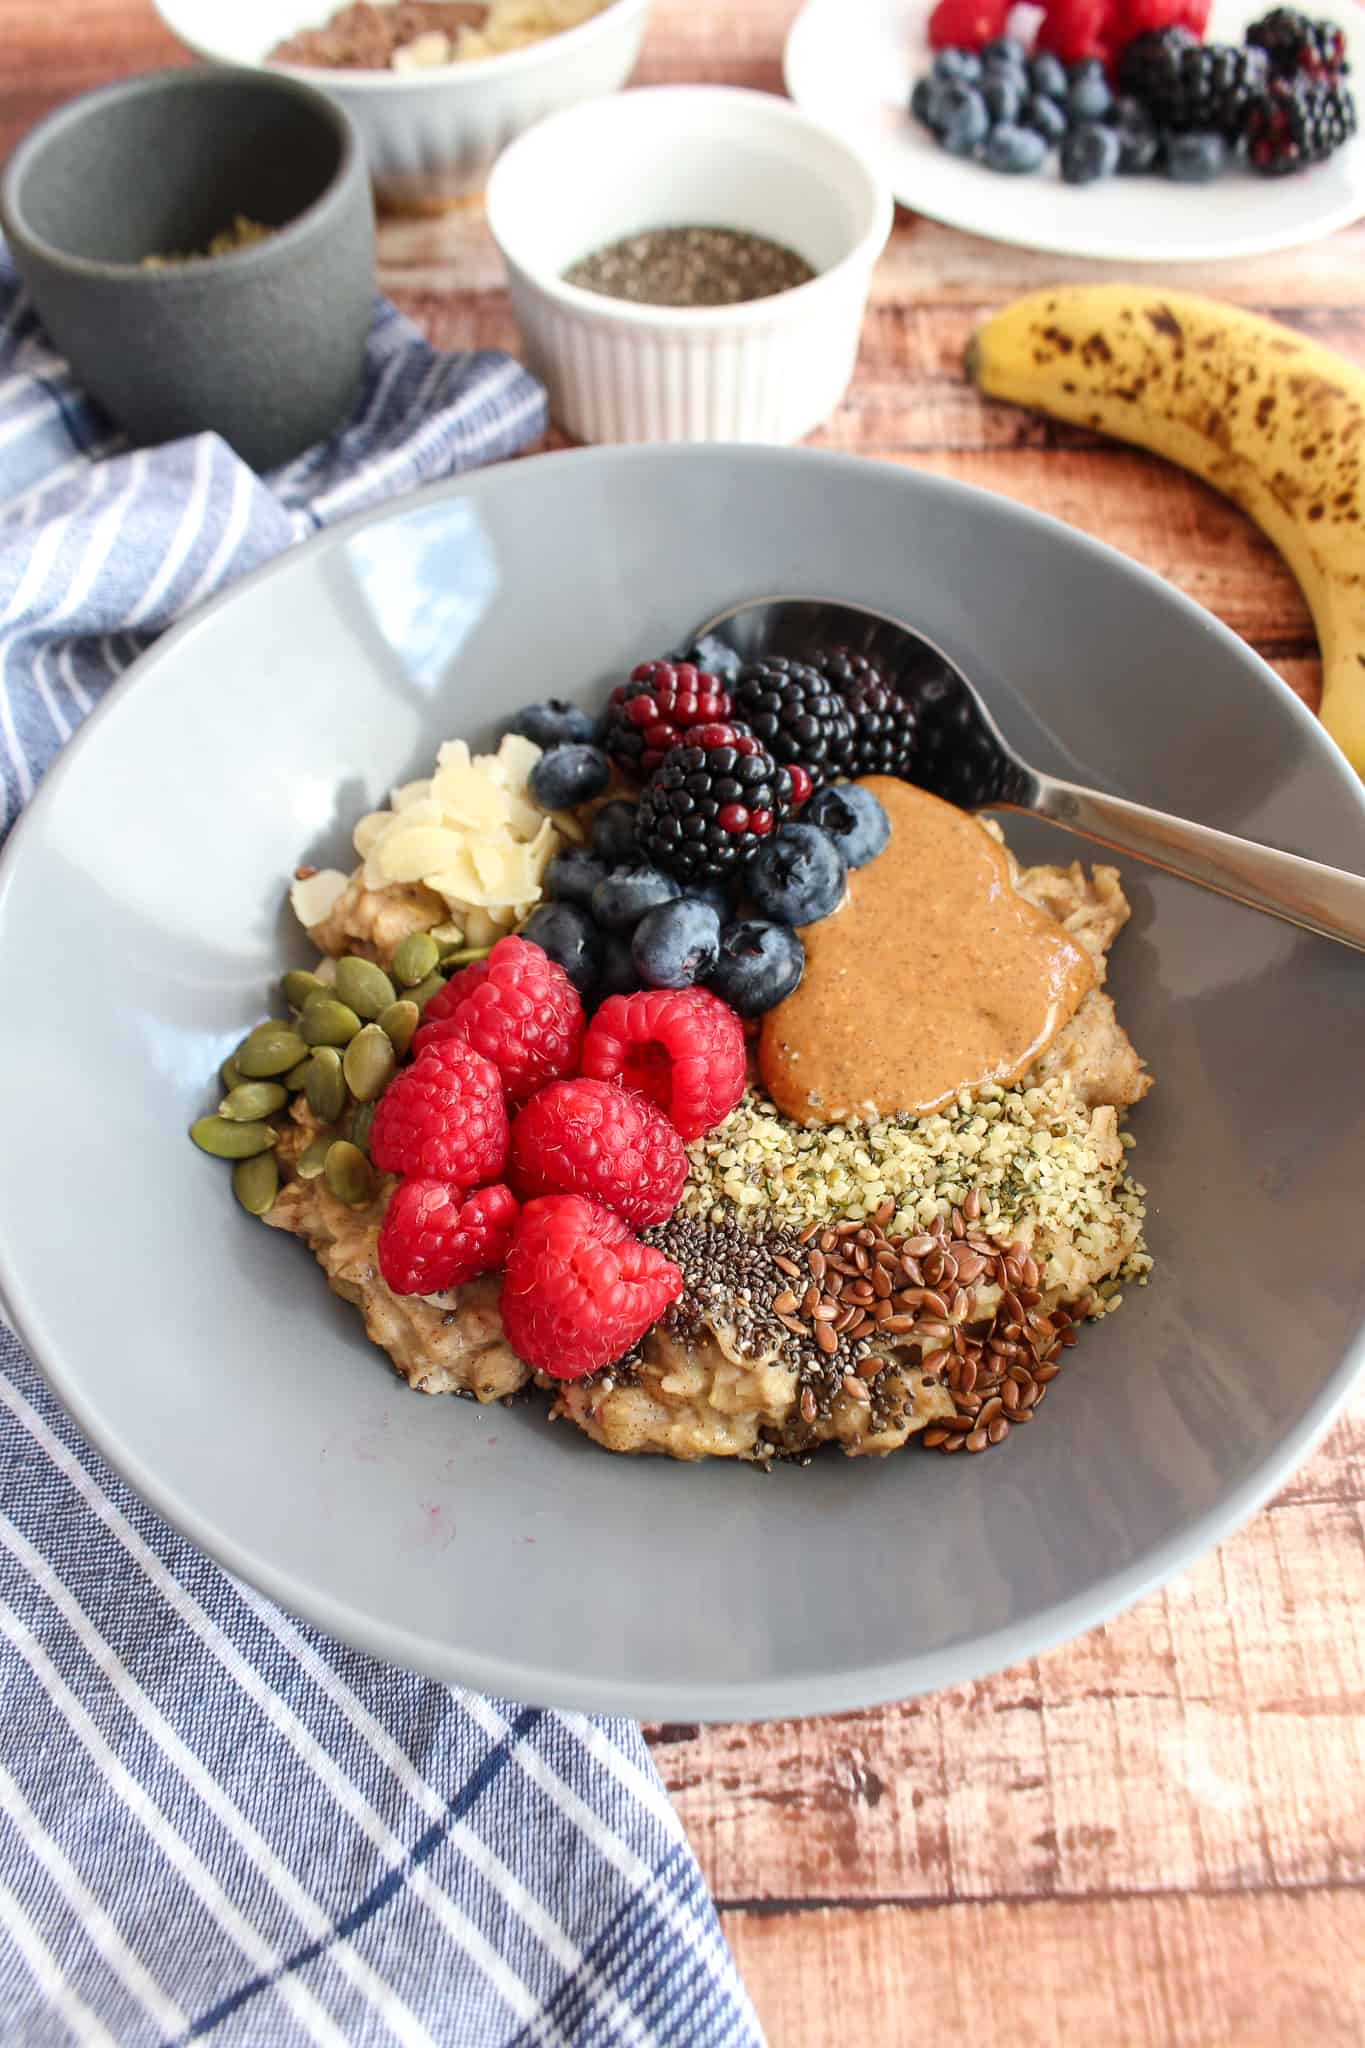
x=690, y=266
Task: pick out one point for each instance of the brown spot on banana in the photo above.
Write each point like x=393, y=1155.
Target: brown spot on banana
x=1175, y=376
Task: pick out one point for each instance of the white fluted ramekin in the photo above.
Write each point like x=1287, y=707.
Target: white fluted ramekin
x=688, y=156
x=430, y=137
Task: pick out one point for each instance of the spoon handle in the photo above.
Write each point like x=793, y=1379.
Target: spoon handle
x=1330, y=901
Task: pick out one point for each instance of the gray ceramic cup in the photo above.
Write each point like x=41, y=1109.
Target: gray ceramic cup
x=262, y=345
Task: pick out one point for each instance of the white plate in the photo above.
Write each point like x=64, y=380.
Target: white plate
x=853, y=62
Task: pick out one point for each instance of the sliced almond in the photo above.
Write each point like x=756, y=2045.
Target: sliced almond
x=315, y=898
x=369, y=830
x=417, y=851
x=409, y=793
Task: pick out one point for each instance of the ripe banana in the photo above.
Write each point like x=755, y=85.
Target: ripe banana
x=1274, y=421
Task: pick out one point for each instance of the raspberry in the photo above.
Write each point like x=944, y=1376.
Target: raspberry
x=1075, y=29
x=431, y=1240
x=447, y=1000
x=443, y=1118
x=1149, y=17
x=593, y=1138
x=523, y=1014
x=967, y=24
x=578, y=1289
x=650, y=713
x=683, y=1048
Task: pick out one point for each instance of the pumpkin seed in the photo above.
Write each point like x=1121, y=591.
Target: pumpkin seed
x=364, y=986
x=425, y=990
x=313, y=1157
x=224, y=1140
x=325, y=1021
x=464, y=954
x=229, y=1073
x=415, y=959
x=256, y=1182
x=399, y=1022
x=369, y=1063
x=360, y=1126
x=299, y=984
x=325, y=1086
x=249, y=1101
x=270, y=1049
x=296, y=1076
x=348, y=1174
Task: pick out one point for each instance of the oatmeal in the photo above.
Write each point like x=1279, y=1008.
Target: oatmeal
x=741, y=1116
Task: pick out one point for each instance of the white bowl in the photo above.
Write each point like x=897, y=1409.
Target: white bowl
x=688, y=156
x=430, y=137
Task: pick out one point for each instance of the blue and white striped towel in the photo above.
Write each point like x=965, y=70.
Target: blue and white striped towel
x=215, y=1822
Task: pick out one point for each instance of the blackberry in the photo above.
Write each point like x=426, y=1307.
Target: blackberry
x=797, y=714
x=650, y=713
x=883, y=723
x=1205, y=86
x=1297, y=123
x=714, y=799
x=1294, y=44
x=1147, y=62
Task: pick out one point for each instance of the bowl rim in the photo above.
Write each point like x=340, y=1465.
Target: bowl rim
x=791, y=1694
x=628, y=313
x=276, y=246
x=336, y=77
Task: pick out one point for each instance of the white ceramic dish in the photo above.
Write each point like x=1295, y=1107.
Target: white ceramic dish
x=430, y=137
x=142, y=917
x=688, y=156
x=853, y=62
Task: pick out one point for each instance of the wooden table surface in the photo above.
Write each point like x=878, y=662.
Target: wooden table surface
x=1155, y=1836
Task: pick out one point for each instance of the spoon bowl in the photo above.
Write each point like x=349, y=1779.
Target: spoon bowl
x=962, y=755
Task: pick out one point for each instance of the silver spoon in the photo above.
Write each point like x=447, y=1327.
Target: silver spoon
x=962, y=755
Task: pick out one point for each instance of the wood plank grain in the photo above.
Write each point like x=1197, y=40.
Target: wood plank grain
x=1251, y=1972
x=1212, y=1739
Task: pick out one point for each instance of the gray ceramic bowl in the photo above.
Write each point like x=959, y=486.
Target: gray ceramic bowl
x=205, y=1355
x=262, y=345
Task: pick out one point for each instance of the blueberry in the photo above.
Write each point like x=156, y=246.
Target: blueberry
x=568, y=935
x=613, y=833
x=1003, y=52
x=1139, y=143
x=1196, y=158
x=567, y=776
x=1045, y=116
x=925, y=102
x=1088, y=96
x=853, y=818
x=617, y=976
x=1014, y=150
x=759, y=965
x=1089, y=152
x=676, y=944
x=572, y=876
x=717, y=894
x=1048, y=76
x=1004, y=97
x=623, y=896
x=964, y=66
x=963, y=120
x=554, y=723
x=715, y=656
x=797, y=877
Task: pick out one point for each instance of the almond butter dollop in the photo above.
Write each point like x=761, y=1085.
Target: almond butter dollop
x=934, y=976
